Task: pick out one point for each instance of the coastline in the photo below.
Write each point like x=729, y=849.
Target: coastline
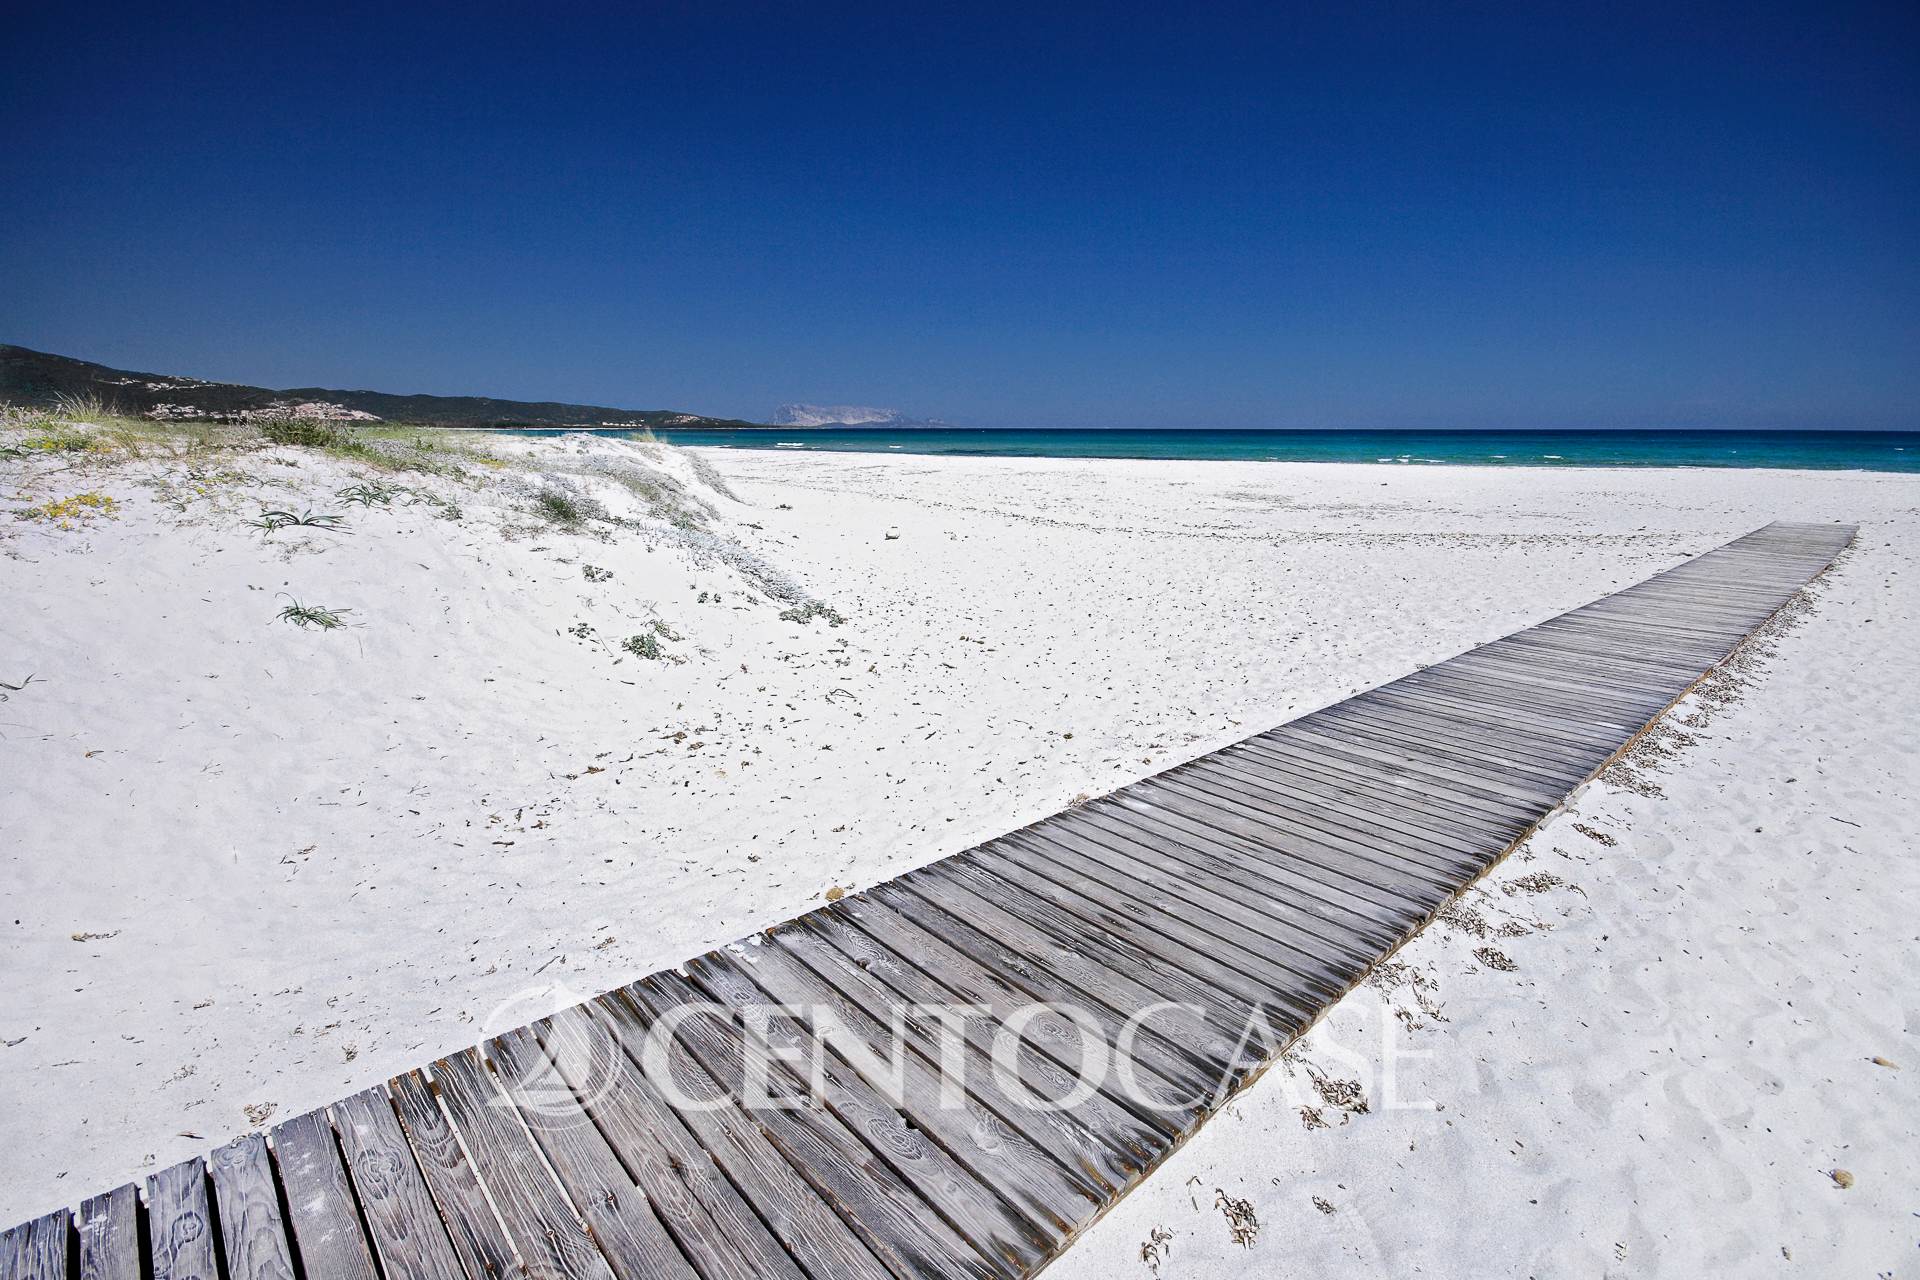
x=1150, y=611
x=1868, y=451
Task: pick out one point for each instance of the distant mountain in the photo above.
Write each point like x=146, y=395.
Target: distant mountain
x=846, y=415
x=37, y=378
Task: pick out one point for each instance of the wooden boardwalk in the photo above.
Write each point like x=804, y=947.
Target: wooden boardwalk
x=1254, y=885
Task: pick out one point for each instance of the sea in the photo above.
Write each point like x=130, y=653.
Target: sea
x=1818, y=450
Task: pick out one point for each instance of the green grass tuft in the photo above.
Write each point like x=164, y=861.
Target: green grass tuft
x=313, y=615
x=277, y=519
x=369, y=495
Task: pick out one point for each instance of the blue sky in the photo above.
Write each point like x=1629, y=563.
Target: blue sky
x=1126, y=215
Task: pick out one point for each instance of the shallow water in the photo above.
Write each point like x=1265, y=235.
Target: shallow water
x=1825, y=450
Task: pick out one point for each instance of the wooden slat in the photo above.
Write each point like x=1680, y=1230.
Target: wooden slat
x=624, y=1223
x=1100, y=1138
x=38, y=1249
x=542, y=1225
x=180, y=1243
x=978, y=1124
x=978, y=972
x=992, y=1220
x=409, y=1238
x=320, y=1205
x=252, y=1232
x=917, y=1234
x=1170, y=838
x=714, y=1151
x=479, y=1240
x=110, y=1236
x=1050, y=956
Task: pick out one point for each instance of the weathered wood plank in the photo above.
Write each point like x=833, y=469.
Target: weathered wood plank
x=979, y=973
x=479, y=1239
x=683, y=1179
x=1277, y=996
x=409, y=1237
x=544, y=1228
x=180, y=1224
x=320, y=1205
x=39, y=1249
x=252, y=1231
x=918, y=1236
x=1099, y=1142
x=976, y=1122
x=109, y=1236
x=1358, y=907
x=910, y=1143
x=1115, y=858
x=1131, y=1135
x=628, y=1230
x=1312, y=963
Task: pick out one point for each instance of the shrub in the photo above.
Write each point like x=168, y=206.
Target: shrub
x=645, y=645
x=806, y=613
x=311, y=433
x=560, y=507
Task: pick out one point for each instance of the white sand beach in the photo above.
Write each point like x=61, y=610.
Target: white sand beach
x=251, y=867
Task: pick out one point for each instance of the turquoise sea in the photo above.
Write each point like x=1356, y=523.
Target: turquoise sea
x=1825, y=450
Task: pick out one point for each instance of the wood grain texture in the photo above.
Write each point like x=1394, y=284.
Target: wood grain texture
x=110, y=1236
x=624, y=1224
x=814, y=1234
x=409, y=1237
x=917, y=1236
x=180, y=1244
x=252, y=1233
x=320, y=1204
x=479, y=1237
x=549, y=1233
x=38, y=1249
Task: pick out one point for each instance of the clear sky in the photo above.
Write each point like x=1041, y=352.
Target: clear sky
x=1344, y=214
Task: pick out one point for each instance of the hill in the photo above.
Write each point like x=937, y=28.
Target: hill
x=39, y=378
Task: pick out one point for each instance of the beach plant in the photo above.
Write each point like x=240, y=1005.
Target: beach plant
x=80, y=509
x=271, y=520
x=311, y=433
x=62, y=439
x=705, y=473
x=84, y=407
x=645, y=645
x=560, y=507
x=369, y=495
x=562, y=502
x=594, y=573
x=318, y=617
x=445, y=508
x=806, y=613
